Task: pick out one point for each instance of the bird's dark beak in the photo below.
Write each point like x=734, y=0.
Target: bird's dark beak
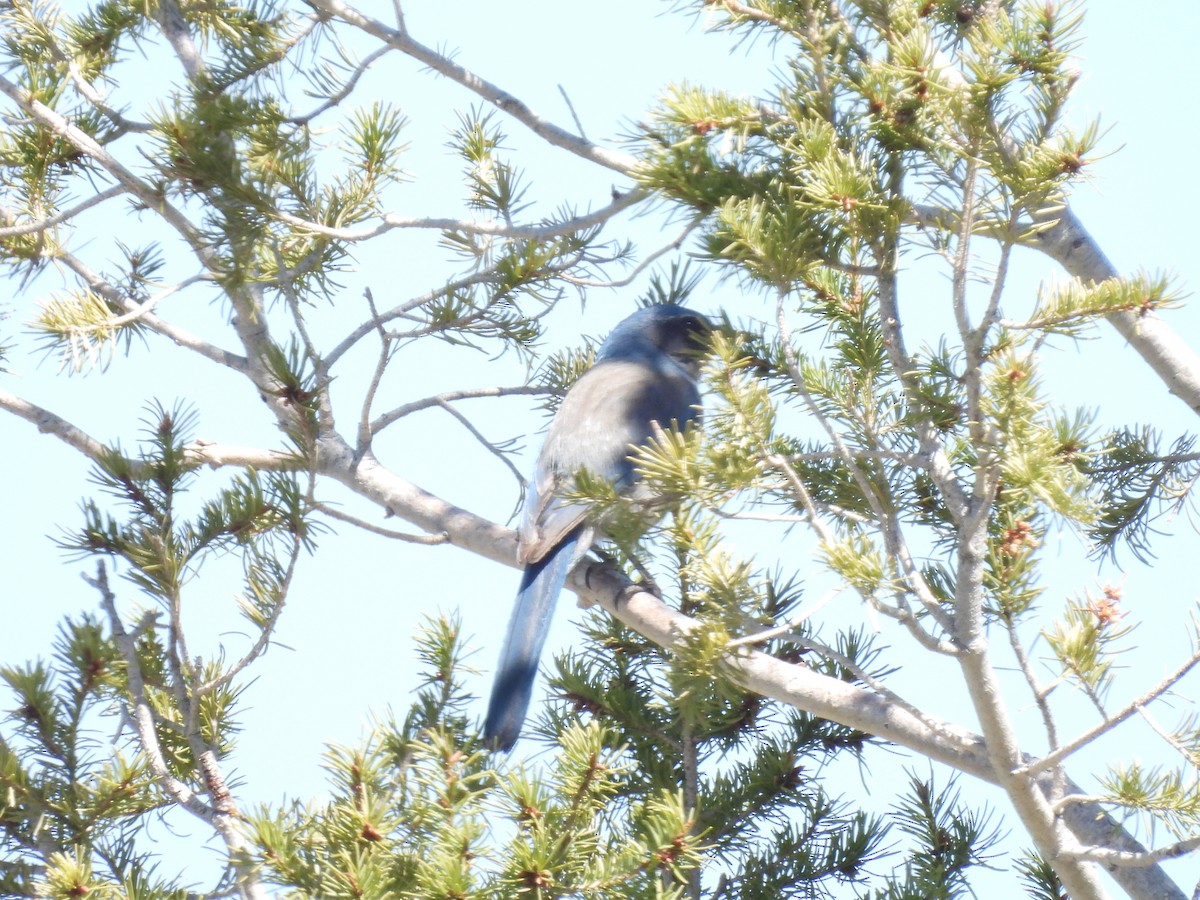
x=692, y=345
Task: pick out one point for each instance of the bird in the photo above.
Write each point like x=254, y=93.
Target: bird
x=645, y=376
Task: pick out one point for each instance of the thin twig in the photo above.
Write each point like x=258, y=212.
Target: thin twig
x=57, y=219
x=788, y=627
x=478, y=435
x=547, y=231
x=383, y=421
x=640, y=267
x=504, y=101
x=574, y=115
x=1111, y=722
x=141, y=311
x=406, y=537
x=347, y=88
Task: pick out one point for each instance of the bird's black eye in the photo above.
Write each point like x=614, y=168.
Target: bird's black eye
x=697, y=330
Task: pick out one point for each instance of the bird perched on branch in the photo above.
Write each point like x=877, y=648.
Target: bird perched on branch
x=645, y=377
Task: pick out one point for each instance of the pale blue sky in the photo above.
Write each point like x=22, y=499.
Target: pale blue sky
x=347, y=633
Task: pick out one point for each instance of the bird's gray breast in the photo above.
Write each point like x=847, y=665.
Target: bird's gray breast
x=612, y=407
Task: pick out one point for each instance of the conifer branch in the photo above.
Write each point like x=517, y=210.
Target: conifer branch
x=547, y=231
x=88, y=145
x=642, y=266
x=1173, y=360
x=501, y=99
x=346, y=89
x=761, y=673
x=903, y=365
x=1110, y=722
x=14, y=230
x=202, y=452
x=485, y=276
x=174, y=333
x=96, y=99
x=221, y=815
x=141, y=311
x=886, y=521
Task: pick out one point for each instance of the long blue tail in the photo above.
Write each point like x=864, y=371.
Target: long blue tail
x=512, y=688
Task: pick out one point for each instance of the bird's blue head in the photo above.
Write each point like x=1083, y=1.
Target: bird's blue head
x=665, y=328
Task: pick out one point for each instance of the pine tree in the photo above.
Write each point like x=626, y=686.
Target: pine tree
x=700, y=736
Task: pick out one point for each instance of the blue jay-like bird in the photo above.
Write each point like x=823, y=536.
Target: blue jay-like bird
x=645, y=374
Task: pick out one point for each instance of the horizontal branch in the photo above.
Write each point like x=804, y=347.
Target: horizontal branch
x=216, y=455
x=795, y=685
x=50, y=423
x=208, y=453
x=1119, y=858
x=493, y=228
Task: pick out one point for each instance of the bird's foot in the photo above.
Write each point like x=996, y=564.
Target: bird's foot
x=605, y=566
x=608, y=565
x=646, y=581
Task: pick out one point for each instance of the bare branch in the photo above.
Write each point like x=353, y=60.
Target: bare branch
x=201, y=452
x=217, y=455
x=404, y=536
x=479, y=436
x=571, y=108
x=385, y=355
x=1116, y=858
x=50, y=423
x=175, y=30
x=392, y=416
